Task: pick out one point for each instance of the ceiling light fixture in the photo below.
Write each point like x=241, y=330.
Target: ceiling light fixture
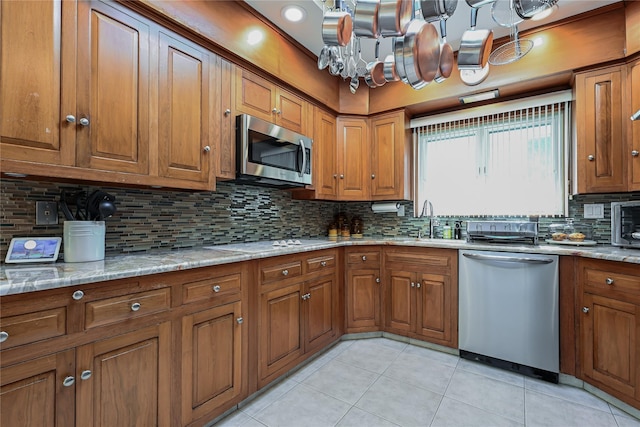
x=293, y=13
x=254, y=37
x=482, y=96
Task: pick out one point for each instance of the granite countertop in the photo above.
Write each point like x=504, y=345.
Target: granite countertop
x=21, y=278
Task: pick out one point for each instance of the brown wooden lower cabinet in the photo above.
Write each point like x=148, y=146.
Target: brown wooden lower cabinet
x=609, y=319
x=363, y=290
x=32, y=393
x=421, y=294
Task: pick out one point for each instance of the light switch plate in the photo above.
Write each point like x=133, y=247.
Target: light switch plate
x=594, y=211
x=46, y=213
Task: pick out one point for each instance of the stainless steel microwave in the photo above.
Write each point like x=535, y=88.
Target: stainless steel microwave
x=625, y=224
x=271, y=155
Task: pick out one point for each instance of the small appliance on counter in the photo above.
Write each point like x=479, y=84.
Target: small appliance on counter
x=494, y=231
x=571, y=233
x=625, y=224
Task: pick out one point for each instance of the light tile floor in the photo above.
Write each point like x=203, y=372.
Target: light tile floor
x=380, y=382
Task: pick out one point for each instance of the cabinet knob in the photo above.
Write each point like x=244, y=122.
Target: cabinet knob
x=216, y=288
x=71, y=118
x=323, y=263
x=635, y=153
x=227, y=112
x=609, y=281
x=239, y=320
x=206, y=149
x=341, y=176
x=413, y=285
x=77, y=295
x=591, y=158
x=84, y=121
x=373, y=176
x=4, y=336
x=85, y=375
x=364, y=257
x=135, y=306
x=418, y=285
x=585, y=309
x=68, y=381
x=335, y=176
x=285, y=272
x=274, y=110
x=377, y=280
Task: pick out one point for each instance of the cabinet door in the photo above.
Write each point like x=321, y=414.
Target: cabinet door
x=254, y=95
x=292, y=112
x=634, y=137
x=211, y=360
x=129, y=382
x=226, y=152
x=363, y=300
x=184, y=98
x=37, y=81
x=601, y=167
x=279, y=329
x=353, y=159
x=400, y=300
x=113, y=89
x=434, y=306
x=325, y=153
x=387, y=156
x=32, y=393
x=610, y=343
x=319, y=312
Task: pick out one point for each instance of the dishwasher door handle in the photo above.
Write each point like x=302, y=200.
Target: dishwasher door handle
x=524, y=260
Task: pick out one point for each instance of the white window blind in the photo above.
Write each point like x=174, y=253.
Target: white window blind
x=505, y=163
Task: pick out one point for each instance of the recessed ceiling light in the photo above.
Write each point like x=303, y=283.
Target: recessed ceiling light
x=293, y=13
x=254, y=37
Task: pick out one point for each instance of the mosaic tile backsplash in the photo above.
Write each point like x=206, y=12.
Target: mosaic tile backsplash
x=148, y=219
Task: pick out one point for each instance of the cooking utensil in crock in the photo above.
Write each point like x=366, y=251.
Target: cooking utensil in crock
x=365, y=20
x=337, y=27
x=375, y=70
x=389, y=69
x=394, y=16
x=475, y=45
x=100, y=205
x=65, y=208
x=421, y=53
x=433, y=10
x=529, y=8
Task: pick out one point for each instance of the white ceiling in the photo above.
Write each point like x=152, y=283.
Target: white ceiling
x=309, y=32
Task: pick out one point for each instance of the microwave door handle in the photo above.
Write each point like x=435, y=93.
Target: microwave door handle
x=304, y=158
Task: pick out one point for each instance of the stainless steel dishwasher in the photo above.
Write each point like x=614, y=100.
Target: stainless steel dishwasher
x=508, y=313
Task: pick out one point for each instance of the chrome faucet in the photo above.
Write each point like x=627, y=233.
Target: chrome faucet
x=427, y=211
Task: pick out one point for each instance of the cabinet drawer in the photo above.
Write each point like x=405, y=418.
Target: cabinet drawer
x=217, y=286
x=280, y=271
x=32, y=327
x=608, y=281
x=364, y=258
x=103, y=312
x=429, y=259
x=321, y=263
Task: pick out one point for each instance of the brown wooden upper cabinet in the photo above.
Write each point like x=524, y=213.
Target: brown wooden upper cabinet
x=263, y=99
x=607, y=148
x=368, y=159
x=226, y=141
x=633, y=75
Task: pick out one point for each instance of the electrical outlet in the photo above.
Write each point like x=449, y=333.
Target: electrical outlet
x=594, y=211
x=46, y=213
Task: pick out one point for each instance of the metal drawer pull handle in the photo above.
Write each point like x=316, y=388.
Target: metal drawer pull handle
x=216, y=288
x=68, y=381
x=509, y=259
x=71, y=118
x=135, y=306
x=4, y=336
x=585, y=309
x=609, y=281
x=364, y=257
x=323, y=263
x=77, y=295
x=84, y=121
x=285, y=272
x=239, y=320
x=85, y=375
